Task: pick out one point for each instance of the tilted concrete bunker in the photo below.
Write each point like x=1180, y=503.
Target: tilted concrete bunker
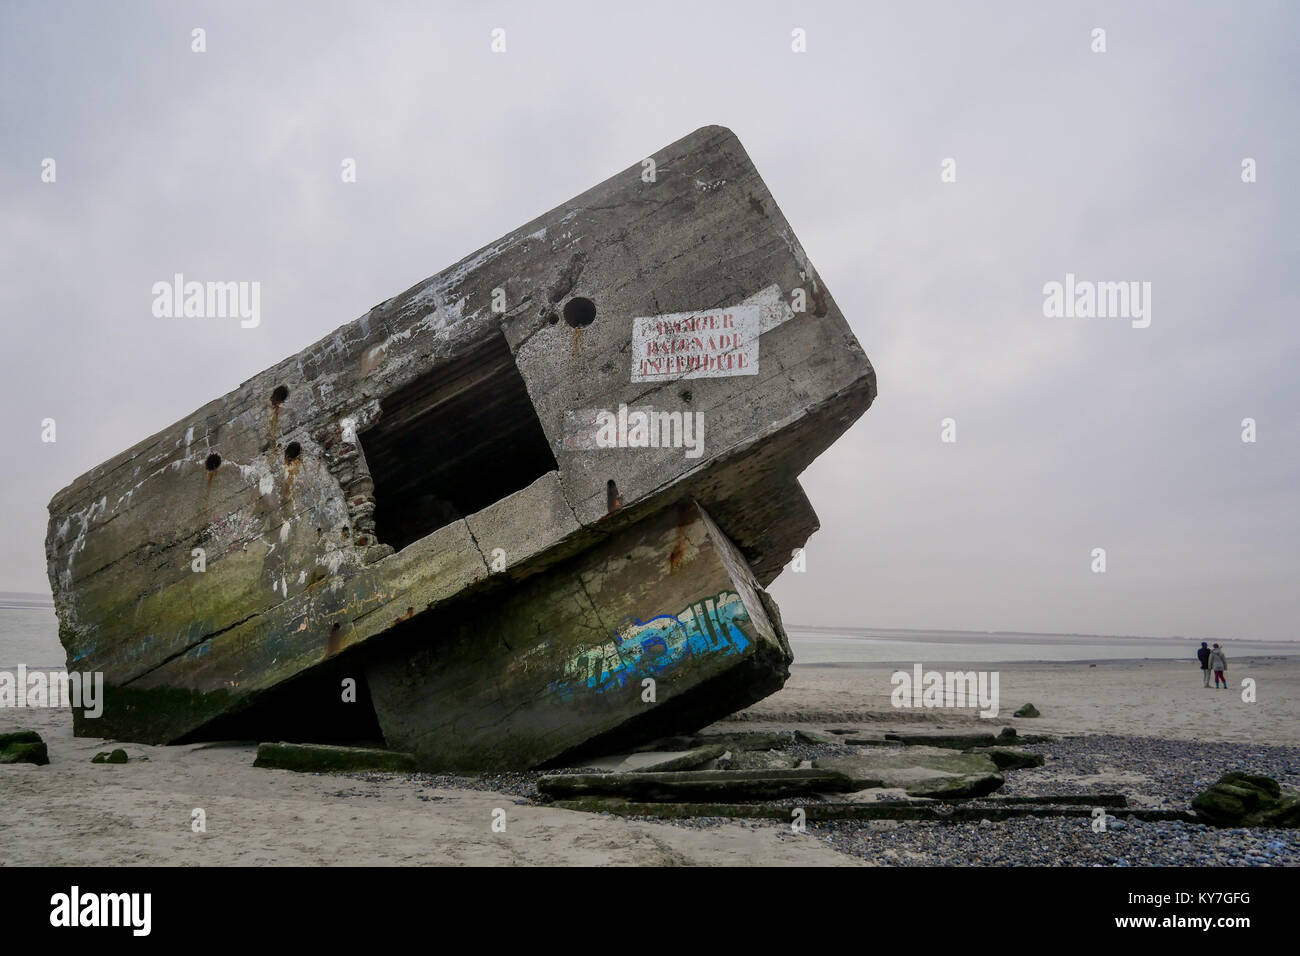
x=473, y=503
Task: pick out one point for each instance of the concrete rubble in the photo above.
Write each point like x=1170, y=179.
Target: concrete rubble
x=941, y=784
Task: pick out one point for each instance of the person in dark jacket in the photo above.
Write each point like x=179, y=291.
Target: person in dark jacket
x=1203, y=655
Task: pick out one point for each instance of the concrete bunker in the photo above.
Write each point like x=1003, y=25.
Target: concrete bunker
x=623, y=566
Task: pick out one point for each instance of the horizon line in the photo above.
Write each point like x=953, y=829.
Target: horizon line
x=949, y=630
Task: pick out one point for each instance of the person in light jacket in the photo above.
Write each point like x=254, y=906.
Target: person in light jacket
x=1219, y=664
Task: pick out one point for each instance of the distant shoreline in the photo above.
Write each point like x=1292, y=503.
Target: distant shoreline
x=931, y=633
x=1028, y=663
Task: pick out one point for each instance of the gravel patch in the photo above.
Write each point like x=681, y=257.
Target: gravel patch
x=1151, y=772
x=1028, y=841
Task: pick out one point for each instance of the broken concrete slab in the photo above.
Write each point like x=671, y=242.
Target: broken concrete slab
x=733, y=784
x=635, y=761
x=964, y=787
x=439, y=452
x=326, y=758
x=699, y=758
x=23, y=746
x=758, y=760
x=925, y=770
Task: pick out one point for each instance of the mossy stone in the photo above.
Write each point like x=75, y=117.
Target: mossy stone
x=1247, y=800
x=25, y=752
x=19, y=737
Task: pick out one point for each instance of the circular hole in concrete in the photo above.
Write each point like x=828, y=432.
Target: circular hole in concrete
x=552, y=318
x=579, y=312
x=213, y=462
x=279, y=395
x=292, y=451
x=686, y=395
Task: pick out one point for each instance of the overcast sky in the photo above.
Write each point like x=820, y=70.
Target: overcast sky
x=1072, y=433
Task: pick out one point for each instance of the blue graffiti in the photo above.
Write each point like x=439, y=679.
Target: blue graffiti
x=648, y=648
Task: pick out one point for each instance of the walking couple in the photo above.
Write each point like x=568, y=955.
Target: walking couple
x=1213, y=659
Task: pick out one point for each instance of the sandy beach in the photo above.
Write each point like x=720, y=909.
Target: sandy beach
x=76, y=812
x=1133, y=698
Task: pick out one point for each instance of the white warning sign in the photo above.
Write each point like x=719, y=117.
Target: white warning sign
x=695, y=344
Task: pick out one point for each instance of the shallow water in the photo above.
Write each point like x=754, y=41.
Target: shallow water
x=908, y=647
x=29, y=635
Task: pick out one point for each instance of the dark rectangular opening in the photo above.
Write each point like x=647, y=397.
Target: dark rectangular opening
x=453, y=442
